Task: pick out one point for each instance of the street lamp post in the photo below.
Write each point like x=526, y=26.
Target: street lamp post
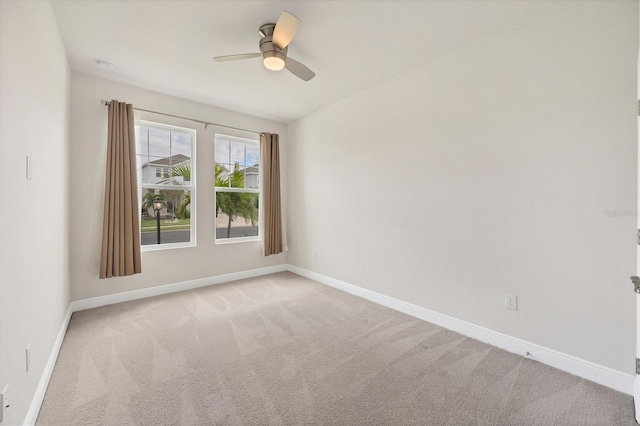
x=157, y=206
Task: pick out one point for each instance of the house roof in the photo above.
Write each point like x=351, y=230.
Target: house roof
x=168, y=161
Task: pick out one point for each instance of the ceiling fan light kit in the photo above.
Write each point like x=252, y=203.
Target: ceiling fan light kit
x=273, y=63
x=273, y=57
x=274, y=42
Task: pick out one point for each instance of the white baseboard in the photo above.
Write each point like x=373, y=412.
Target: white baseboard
x=110, y=299
x=606, y=376
x=38, y=397
x=636, y=397
x=600, y=374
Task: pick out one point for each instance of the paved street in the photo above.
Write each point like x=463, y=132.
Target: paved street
x=238, y=231
x=182, y=236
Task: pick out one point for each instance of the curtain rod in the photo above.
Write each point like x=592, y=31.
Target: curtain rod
x=206, y=123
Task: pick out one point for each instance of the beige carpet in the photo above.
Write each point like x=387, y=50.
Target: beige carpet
x=281, y=349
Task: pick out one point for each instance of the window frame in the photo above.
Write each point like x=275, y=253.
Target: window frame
x=191, y=188
x=258, y=191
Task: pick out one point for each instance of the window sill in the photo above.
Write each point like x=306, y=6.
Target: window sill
x=237, y=240
x=170, y=246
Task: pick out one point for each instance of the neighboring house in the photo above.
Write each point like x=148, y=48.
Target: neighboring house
x=159, y=171
x=251, y=176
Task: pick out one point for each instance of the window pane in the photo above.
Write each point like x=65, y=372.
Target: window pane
x=169, y=161
x=143, y=171
x=180, y=170
x=221, y=151
x=237, y=153
x=180, y=144
x=152, y=170
x=236, y=177
x=237, y=165
x=253, y=155
x=221, y=172
x=143, y=139
x=175, y=217
x=164, y=158
x=159, y=142
x=252, y=177
x=236, y=215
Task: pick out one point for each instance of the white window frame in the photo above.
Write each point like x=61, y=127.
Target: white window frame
x=192, y=187
x=247, y=190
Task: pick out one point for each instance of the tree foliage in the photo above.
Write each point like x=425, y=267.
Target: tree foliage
x=184, y=170
x=172, y=199
x=234, y=204
x=183, y=211
x=148, y=200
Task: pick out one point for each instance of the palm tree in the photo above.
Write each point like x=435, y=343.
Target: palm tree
x=221, y=175
x=183, y=170
x=234, y=204
x=172, y=199
x=183, y=212
x=148, y=199
x=221, y=180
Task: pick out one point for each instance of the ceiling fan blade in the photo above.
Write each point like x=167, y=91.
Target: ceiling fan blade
x=299, y=70
x=286, y=28
x=237, y=57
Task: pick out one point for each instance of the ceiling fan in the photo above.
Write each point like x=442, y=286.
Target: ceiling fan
x=274, y=42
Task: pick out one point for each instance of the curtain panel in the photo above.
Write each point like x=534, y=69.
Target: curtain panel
x=272, y=206
x=121, y=226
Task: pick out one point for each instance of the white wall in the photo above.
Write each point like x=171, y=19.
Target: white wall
x=88, y=162
x=489, y=170
x=34, y=244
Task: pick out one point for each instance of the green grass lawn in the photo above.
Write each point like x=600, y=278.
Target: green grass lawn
x=148, y=225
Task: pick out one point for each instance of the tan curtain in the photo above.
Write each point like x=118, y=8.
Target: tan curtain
x=120, y=226
x=272, y=208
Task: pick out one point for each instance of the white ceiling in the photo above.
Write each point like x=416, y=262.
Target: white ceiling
x=167, y=46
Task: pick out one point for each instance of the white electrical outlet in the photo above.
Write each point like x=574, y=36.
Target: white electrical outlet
x=4, y=402
x=27, y=353
x=511, y=301
x=315, y=255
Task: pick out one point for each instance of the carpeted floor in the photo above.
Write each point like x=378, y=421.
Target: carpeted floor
x=281, y=349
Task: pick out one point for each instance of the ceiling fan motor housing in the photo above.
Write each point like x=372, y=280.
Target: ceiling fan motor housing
x=267, y=47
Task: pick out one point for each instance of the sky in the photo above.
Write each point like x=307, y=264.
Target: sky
x=162, y=143
x=156, y=143
x=228, y=152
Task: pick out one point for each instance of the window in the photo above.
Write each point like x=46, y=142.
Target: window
x=166, y=160
x=237, y=187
